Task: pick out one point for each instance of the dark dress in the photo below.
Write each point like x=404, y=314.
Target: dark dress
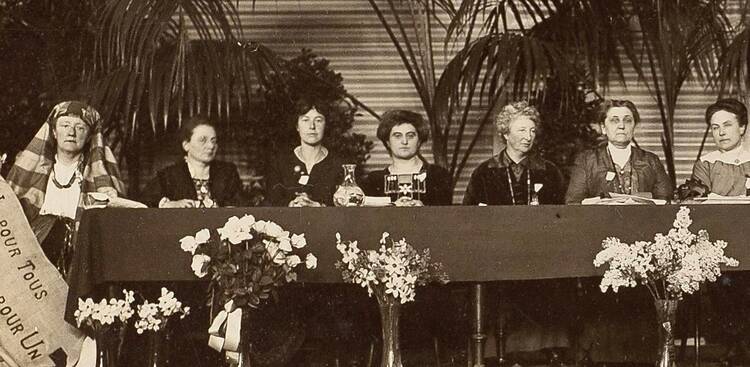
x=437, y=185
x=285, y=178
x=175, y=183
x=494, y=183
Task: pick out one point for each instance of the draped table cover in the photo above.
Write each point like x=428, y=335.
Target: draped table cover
x=476, y=244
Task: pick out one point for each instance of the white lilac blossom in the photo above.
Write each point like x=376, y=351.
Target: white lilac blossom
x=670, y=265
x=105, y=313
x=394, y=270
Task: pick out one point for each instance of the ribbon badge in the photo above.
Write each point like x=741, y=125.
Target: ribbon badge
x=224, y=332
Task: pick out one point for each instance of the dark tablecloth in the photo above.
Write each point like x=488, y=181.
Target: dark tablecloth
x=475, y=244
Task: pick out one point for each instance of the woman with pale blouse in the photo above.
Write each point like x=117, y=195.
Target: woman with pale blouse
x=65, y=166
x=726, y=171
x=197, y=180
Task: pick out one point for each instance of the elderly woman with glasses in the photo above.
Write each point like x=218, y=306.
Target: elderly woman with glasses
x=198, y=180
x=516, y=176
x=619, y=166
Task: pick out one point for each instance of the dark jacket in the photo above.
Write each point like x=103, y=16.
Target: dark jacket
x=588, y=178
x=284, y=173
x=175, y=183
x=437, y=185
x=489, y=183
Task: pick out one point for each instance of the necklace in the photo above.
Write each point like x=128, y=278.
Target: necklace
x=510, y=184
x=70, y=182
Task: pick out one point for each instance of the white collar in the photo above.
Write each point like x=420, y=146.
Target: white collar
x=620, y=156
x=736, y=156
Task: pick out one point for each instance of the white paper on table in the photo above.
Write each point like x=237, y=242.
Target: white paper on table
x=721, y=199
x=377, y=201
x=622, y=199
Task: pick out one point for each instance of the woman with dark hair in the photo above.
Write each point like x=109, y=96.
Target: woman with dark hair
x=619, y=166
x=65, y=165
x=516, y=176
x=197, y=180
x=725, y=171
x=307, y=175
x=403, y=133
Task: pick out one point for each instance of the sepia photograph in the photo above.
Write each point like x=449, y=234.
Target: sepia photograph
x=374, y=183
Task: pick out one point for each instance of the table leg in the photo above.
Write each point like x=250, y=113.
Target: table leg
x=479, y=336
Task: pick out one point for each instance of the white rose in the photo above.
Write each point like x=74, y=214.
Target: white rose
x=202, y=236
x=246, y=222
x=188, y=244
x=293, y=261
x=285, y=245
x=273, y=229
x=299, y=241
x=311, y=262
x=198, y=265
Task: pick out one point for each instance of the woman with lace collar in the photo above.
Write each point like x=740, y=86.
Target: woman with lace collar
x=726, y=171
x=65, y=164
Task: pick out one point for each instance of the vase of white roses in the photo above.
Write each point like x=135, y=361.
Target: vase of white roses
x=391, y=273
x=104, y=320
x=247, y=260
x=154, y=319
x=669, y=266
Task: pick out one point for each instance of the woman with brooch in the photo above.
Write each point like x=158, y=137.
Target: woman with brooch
x=307, y=175
x=409, y=180
x=619, y=166
x=726, y=171
x=198, y=180
x=517, y=176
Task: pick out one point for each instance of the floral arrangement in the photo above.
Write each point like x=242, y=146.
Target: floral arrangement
x=104, y=316
x=154, y=316
x=395, y=269
x=248, y=259
x=670, y=265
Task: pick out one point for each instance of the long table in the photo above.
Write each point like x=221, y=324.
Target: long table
x=476, y=244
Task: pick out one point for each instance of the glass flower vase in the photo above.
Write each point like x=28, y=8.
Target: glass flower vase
x=157, y=342
x=349, y=193
x=106, y=350
x=390, y=309
x=666, y=317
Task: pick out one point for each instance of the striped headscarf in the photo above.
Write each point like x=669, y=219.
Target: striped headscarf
x=29, y=175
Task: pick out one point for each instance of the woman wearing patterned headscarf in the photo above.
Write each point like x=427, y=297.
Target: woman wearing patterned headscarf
x=63, y=165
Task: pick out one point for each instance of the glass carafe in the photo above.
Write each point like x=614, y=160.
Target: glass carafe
x=349, y=193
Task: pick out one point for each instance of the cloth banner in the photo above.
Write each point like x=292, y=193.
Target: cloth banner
x=32, y=296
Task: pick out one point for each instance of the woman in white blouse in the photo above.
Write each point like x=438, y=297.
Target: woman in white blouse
x=64, y=165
